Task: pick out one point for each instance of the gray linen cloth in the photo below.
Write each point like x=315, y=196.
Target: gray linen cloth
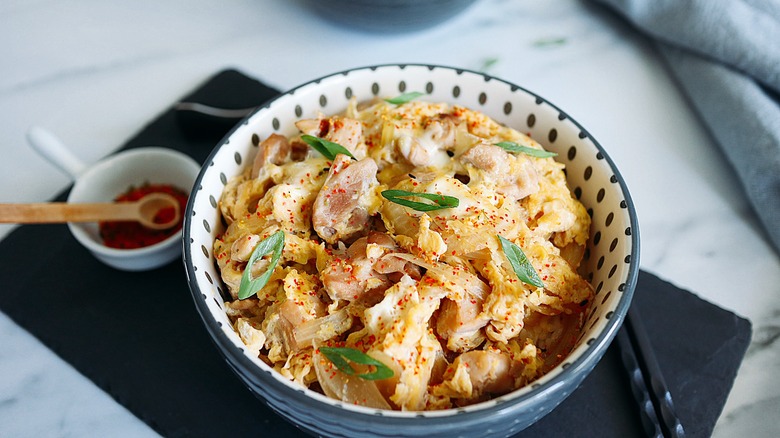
x=725, y=55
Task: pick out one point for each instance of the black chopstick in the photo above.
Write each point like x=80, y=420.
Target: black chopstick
x=647, y=412
x=634, y=341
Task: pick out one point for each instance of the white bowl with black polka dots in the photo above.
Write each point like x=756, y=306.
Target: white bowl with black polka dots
x=611, y=264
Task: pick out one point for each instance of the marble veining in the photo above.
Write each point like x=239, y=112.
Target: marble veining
x=119, y=65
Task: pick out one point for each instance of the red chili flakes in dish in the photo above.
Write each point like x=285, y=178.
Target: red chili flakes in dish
x=132, y=235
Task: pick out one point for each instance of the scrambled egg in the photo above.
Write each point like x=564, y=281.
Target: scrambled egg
x=431, y=294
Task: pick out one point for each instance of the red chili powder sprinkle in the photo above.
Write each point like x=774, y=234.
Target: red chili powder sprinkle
x=131, y=235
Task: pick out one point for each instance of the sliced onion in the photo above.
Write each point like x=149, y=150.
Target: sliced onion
x=400, y=220
x=349, y=389
x=322, y=329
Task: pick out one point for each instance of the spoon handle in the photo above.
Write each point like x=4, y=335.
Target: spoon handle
x=57, y=212
x=52, y=149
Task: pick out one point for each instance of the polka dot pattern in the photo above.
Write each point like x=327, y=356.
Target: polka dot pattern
x=608, y=261
x=508, y=108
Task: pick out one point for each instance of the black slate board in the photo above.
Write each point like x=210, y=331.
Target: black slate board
x=139, y=338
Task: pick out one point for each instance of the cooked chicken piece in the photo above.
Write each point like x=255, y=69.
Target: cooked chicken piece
x=441, y=130
x=275, y=149
x=515, y=176
x=349, y=278
x=346, y=132
x=425, y=146
x=315, y=127
x=377, y=245
x=340, y=209
x=414, y=150
x=373, y=246
x=242, y=248
x=476, y=373
x=293, y=313
x=251, y=308
x=395, y=268
x=364, y=268
x=348, y=275
x=342, y=130
x=460, y=323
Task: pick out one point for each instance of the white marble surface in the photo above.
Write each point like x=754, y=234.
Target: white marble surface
x=118, y=64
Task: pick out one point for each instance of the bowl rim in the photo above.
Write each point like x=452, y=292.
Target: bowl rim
x=496, y=406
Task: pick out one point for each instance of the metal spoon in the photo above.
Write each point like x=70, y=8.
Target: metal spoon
x=142, y=211
x=207, y=110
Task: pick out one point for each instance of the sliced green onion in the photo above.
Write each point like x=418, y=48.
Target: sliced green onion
x=440, y=201
x=514, y=147
x=404, y=98
x=523, y=268
x=327, y=148
x=340, y=355
x=549, y=42
x=488, y=63
x=272, y=244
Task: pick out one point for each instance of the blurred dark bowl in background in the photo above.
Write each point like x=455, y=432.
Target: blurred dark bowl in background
x=388, y=16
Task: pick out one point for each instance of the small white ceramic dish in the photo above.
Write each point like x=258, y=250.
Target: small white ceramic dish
x=611, y=263
x=110, y=177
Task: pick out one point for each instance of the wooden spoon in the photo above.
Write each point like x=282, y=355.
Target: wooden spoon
x=142, y=211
